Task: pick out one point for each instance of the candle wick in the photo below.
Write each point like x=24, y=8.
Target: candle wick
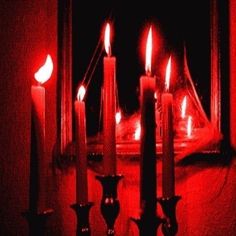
x=148, y=73
x=109, y=51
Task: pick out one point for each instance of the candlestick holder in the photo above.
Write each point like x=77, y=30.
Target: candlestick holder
x=110, y=206
x=82, y=213
x=37, y=221
x=170, y=225
x=148, y=224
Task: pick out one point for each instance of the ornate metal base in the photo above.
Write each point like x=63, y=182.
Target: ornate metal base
x=148, y=225
x=37, y=221
x=82, y=213
x=110, y=206
x=170, y=226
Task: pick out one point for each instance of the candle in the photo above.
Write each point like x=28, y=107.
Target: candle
x=109, y=109
x=81, y=150
x=168, y=176
x=148, y=136
x=38, y=158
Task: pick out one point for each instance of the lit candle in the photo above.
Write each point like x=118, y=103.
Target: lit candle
x=81, y=149
x=168, y=175
x=148, y=136
x=109, y=109
x=39, y=161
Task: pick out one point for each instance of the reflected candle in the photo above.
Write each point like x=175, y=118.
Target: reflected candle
x=168, y=175
x=81, y=149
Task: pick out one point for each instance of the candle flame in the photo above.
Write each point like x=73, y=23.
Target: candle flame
x=183, y=107
x=107, y=40
x=168, y=70
x=44, y=73
x=155, y=95
x=137, y=132
x=148, y=64
x=189, y=126
x=118, y=117
x=81, y=93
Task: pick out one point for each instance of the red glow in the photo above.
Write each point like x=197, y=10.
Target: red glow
x=189, y=126
x=183, y=107
x=148, y=64
x=44, y=73
x=168, y=71
x=107, y=44
x=137, y=132
x=81, y=93
x=118, y=117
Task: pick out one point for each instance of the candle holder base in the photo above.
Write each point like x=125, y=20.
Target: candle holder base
x=37, y=221
x=170, y=226
x=82, y=213
x=110, y=205
x=148, y=225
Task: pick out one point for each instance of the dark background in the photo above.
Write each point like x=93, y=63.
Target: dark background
x=175, y=23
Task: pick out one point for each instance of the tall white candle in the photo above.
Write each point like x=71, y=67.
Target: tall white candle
x=81, y=149
x=109, y=109
x=38, y=160
x=168, y=175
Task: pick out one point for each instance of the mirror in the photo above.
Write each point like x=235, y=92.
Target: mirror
x=194, y=26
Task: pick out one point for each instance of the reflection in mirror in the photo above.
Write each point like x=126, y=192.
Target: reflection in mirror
x=188, y=31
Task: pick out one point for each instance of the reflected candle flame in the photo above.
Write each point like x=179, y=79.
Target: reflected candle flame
x=167, y=79
x=81, y=93
x=137, y=132
x=118, y=117
x=183, y=107
x=189, y=126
